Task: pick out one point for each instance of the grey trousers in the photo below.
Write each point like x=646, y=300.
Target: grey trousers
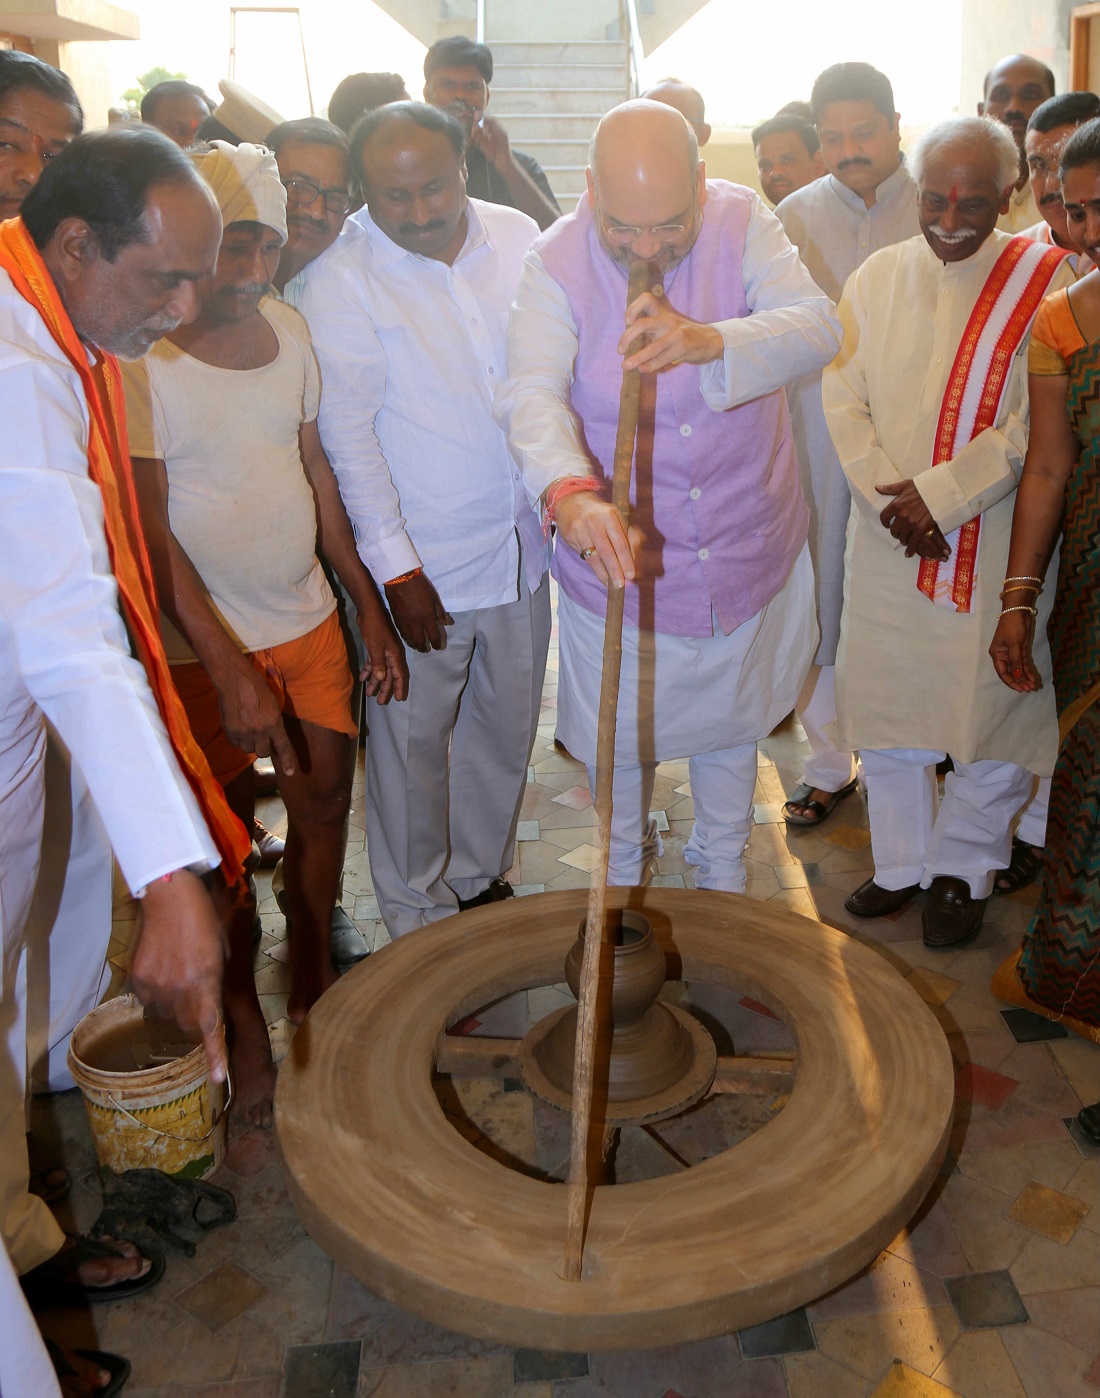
x=446, y=769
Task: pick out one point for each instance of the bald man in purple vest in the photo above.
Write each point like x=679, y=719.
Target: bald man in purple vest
x=720, y=625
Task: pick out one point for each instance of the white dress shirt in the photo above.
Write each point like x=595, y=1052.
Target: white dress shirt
x=411, y=352
x=791, y=329
x=63, y=645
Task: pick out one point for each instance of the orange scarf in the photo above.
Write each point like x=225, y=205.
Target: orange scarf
x=109, y=468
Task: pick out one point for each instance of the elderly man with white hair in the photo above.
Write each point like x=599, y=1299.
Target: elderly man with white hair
x=927, y=406
x=237, y=496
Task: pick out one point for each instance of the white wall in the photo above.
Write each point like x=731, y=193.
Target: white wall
x=994, y=28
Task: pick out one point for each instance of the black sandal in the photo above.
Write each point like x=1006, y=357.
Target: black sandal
x=53, y=1282
x=116, y=1366
x=1022, y=867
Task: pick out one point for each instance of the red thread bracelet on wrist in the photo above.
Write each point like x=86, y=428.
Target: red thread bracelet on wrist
x=557, y=490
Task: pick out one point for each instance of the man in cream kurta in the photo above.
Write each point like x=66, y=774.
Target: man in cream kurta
x=912, y=682
x=865, y=202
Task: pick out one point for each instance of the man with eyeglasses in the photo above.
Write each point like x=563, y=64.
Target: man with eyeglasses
x=312, y=156
x=720, y=623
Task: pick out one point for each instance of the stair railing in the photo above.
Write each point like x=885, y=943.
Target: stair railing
x=628, y=20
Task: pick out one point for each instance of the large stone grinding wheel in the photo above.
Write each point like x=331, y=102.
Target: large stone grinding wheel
x=400, y=1199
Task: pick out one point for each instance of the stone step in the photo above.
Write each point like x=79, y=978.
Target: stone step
x=525, y=127
x=561, y=76
x=509, y=51
x=571, y=154
x=508, y=101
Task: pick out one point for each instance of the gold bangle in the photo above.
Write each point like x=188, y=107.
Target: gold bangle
x=1023, y=580
x=1005, y=610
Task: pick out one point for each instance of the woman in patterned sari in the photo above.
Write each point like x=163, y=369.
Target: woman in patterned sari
x=1057, y=971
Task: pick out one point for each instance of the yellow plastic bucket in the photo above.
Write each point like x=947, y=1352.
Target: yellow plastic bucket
x=167, y=1116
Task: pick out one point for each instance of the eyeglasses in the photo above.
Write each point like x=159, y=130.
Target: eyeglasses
x=621, y=234
x=301, y=193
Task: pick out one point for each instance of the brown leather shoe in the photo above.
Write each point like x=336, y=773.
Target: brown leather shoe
x=951, y=915
x=270, y=846
x=869, y=900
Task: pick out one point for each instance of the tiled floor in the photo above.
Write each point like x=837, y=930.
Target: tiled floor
x=993, y=1291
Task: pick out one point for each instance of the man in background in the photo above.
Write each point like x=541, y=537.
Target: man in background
x=688, y=101
x=866, y=201
x=788, y=155
x=1012, y=89
x=177, y=108
x=457, y=74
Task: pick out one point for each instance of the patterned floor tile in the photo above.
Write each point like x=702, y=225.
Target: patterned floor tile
x=869, y=1344
x=1044, y=1265
x=979, y=1366
x=933, y=988
x=585, y=857
x=227, y=1292
x=322, y=1371
x=984, y=1087
x=817, y=1376
x=787, y=1334
x=456, y=1378
x=691, y=1370
x=984, y=1300
x=577, y=798
x=1049, y=1212
x=904, y=1382
x=529, y=1364
x=889, y=1284
x=1047, y=1366
x=1026, y=1027
x=1074, y=1315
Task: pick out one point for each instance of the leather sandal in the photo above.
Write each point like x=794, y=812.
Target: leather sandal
x=1022, y=869
x=821, y=810
x=55, y=1283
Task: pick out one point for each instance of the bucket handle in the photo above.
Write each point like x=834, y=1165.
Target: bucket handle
x=168, y=1135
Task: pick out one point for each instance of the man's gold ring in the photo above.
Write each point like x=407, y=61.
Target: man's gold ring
x=929, y=532
x=588, y=552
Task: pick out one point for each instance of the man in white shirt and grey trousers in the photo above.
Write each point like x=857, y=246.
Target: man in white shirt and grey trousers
x=408, y=313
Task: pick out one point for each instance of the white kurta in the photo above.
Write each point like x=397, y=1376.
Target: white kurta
x=1023, y=212
x=835, y=232
x=63, y=653
x=911, y=674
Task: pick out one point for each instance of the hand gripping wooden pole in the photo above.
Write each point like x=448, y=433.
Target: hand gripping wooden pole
x=644, y=276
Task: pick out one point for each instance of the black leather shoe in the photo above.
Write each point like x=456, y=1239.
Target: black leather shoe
x=347, y=945
x=951, y=915
x=1088, y=1119
x=871, y=901
x=498, y=890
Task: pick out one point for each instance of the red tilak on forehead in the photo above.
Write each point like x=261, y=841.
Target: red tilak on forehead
x=953, y=195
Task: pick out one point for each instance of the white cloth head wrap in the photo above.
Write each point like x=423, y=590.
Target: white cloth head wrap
x=245, y=182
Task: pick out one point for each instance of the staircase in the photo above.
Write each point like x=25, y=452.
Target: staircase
x=549, y=94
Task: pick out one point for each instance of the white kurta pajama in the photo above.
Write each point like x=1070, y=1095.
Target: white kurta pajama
x=912, y=675
x=835, y=232
x=708, y=697
x=411, y=351
x=63, y=654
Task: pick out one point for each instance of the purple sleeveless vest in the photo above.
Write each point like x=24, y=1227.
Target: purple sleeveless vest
x=716, y=494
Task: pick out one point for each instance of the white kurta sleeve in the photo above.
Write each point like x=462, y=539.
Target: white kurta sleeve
x=353, y=379
x=59, y=609
x=985, y=471
x=793, y=328
x=533, y=405
x=845, y=398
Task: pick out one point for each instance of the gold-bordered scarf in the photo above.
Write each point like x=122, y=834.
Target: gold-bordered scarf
x=998, y=323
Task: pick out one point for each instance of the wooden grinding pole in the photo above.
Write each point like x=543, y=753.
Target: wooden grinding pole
x=644, y=277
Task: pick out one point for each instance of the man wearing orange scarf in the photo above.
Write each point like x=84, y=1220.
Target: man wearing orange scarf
x=103, y=261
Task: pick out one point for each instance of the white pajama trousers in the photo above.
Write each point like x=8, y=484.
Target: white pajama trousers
x=722, y=788
x=827, y=768
x=916, y=838
x=1032, y=828
x=446, y=769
